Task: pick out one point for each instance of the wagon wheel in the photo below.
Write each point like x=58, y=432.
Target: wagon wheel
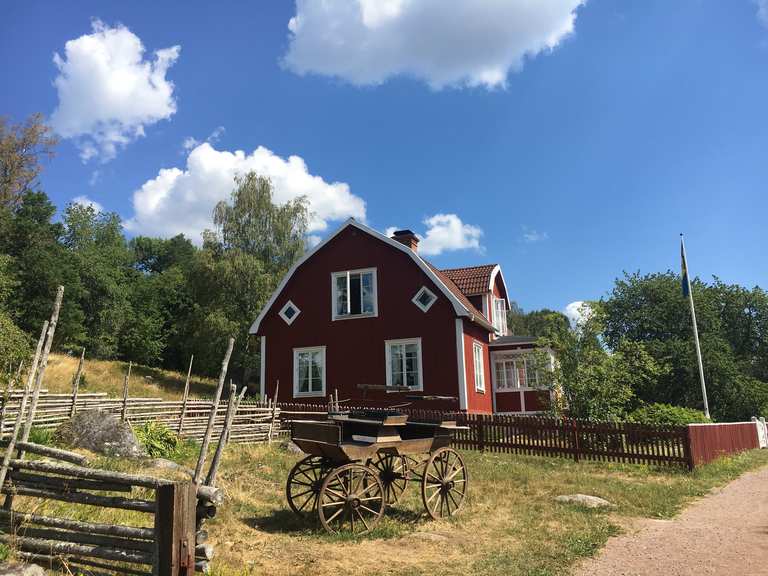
x=444, y=484
x=393, y=473
x=351, y=500
x=304, y=481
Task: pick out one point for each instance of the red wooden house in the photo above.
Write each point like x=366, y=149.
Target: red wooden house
x=362, y=308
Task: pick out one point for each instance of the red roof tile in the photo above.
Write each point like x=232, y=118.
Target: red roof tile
x=462, y=297
x=473, y=279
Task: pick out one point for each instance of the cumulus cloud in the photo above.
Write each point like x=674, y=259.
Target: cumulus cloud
x=531, y=236
x=457, y=43
x=577, y=312
x=85, y=201
x=762, y=11
x=191, y=142
x=108, y=92
x=180, y=201
x=446, y=232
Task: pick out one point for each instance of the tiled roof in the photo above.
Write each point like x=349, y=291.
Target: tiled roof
x=451, y=285
x=473, y=279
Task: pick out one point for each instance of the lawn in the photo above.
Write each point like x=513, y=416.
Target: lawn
x=510, y=525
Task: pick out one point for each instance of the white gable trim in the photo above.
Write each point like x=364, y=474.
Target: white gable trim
x=458, y=307
x=497, y=270
x=461, y=365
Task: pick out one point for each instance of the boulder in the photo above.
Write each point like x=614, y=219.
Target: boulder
x=291, y=447
x=584, y=500
x=100, y=432
x=19, y=569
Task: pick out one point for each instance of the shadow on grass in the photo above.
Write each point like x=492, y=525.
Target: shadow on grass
x=286, y=522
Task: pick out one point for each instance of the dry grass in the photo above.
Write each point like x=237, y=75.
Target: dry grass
x=107, y=376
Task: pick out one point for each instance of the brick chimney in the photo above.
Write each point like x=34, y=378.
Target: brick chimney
x=407, y=238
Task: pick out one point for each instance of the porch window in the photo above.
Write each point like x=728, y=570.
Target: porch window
x=404, y=363
x=354, y=294
x=309, y=371
x=516, y=372
x=500, y=316
x=477, y=356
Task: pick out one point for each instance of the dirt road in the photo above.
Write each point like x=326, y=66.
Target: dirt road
x=724, y=533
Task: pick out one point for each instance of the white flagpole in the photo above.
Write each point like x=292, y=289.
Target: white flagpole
x=695, y=329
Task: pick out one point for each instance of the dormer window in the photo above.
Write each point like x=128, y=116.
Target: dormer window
x=289, y=312
x=500, y=316
x=354, y=294
x=424, y=298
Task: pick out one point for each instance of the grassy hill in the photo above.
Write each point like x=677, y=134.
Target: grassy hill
x=107, y=376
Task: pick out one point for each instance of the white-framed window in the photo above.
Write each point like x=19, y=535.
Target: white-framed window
x=424, y=298
x=289, y=312
x=517, y=371
x=354, y=294
x=477, y=357
x=500, y=316
x=309, y=371
x=404, y=363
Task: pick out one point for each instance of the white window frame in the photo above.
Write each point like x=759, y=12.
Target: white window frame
x=296, y=352
x=342, y=273
x=282, y=315
x=500, y=320
x=424, y=290
x=516, y=358
x=388, y=359
x=479, y=366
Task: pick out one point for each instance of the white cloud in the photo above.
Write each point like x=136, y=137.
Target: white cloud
x=531, y=236
x=577, y=312
x=762, y=11
x=191, y=142
x=446, y=232
x=389, y=232
x=457, y=43
x=108, y=92
x=181, y=201
x=85, y=201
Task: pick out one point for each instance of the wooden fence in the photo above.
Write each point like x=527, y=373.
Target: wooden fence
x=252, y=422
x=542, y=436
x=711, y=441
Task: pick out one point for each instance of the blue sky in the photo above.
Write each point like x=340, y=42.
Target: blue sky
x=621, y=125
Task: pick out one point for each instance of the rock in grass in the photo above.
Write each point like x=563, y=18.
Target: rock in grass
x=291, y=447
x=19, y=569
x=100, y=432
x=584, y=500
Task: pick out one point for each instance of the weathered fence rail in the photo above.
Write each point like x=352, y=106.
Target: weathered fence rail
x=688, y=446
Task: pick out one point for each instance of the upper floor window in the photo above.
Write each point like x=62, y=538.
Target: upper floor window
x=424, y=298
x=354, y=294
x=500, y=316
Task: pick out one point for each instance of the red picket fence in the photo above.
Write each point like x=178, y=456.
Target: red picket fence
x=543, y=436
x=711, y=441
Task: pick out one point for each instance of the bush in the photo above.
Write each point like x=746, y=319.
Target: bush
x=666, y=415
x=158, y=440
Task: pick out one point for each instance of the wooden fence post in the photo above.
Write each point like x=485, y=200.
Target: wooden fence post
x=76, y=384
x=481, y=433
x=175, y=529
x=575, y=436
x=687, y=451
x=185, y=397
x=274, y=412
x=125, y=393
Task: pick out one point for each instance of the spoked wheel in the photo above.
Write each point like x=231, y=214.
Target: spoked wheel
x=393, y=473
x=444, y=485
x=351, y=500
x=304, y=482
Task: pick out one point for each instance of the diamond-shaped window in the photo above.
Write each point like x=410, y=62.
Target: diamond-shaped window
x=424, y=298
x=289, y=312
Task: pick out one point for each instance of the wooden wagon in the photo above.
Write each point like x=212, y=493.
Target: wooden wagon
x=362, y=461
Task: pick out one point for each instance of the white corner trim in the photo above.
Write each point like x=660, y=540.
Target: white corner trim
x=458, y=307
x=283, y=315
x=461, y=365
x=415, y=299
x=263, y=368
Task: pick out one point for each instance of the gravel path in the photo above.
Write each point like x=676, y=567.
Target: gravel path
x=725, y=533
